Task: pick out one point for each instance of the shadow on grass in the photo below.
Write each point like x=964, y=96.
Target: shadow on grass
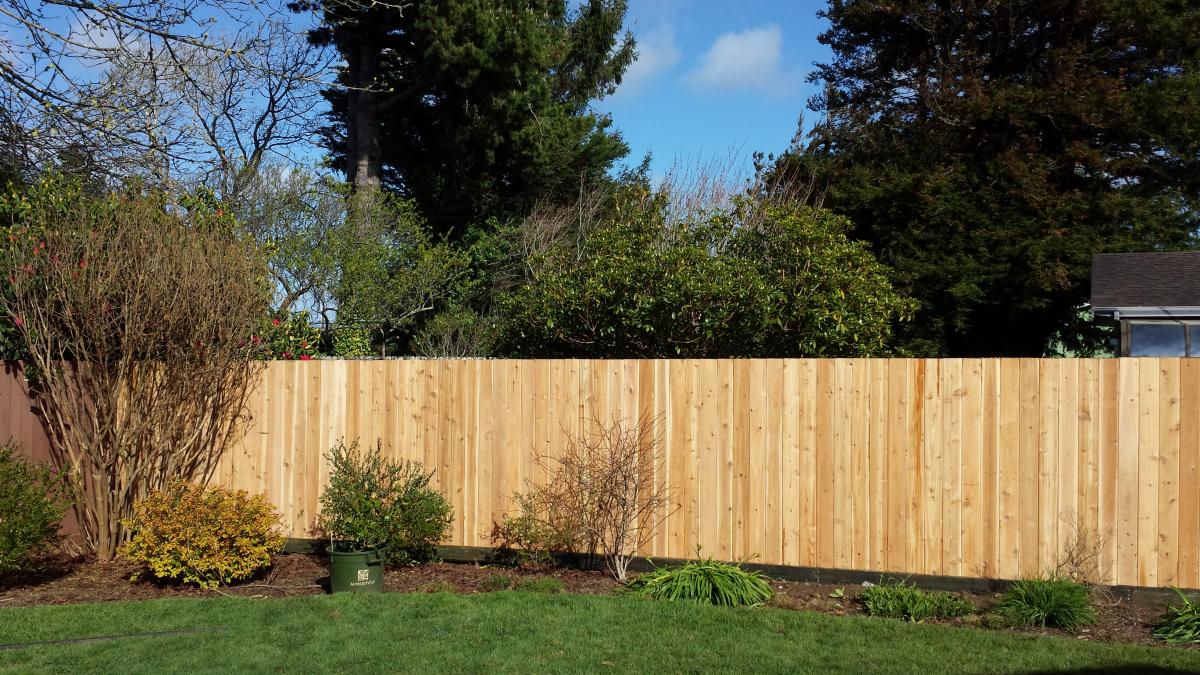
x=1142, y=669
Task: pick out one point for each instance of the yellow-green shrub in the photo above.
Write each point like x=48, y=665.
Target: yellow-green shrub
x=203, y=535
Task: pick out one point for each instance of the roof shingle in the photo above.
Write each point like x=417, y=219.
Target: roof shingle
x=1146, y=280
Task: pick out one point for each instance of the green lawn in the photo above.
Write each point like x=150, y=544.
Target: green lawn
x=519, y=632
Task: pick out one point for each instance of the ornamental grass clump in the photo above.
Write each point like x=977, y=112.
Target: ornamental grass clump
x=1180, y=624
x=375, y=504
x=203, y=535
x=898, y=600
x=704, y=582
x=1052, y=601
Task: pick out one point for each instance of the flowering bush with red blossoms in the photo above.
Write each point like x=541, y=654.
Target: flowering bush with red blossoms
x=288, y=336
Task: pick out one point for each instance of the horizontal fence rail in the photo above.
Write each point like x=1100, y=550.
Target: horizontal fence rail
x=991, y=468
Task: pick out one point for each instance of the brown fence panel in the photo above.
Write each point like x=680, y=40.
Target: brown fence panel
x=18, y=421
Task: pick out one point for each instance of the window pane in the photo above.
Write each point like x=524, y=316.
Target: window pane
x=1156, y=339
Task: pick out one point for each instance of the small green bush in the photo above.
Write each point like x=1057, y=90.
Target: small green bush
x=374, y=503
x=351, y=341
x=494, y=582
x=33, y=501
x=704, y=582
x=540, y=585
x=898, y=600
x=1052, y=601
x=1180, y=624
x=204, y=535
x=524, y=540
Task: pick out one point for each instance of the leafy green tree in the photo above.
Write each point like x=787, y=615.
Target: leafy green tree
x=391, y=271
x=987, y=149
x=748, y=280
x=473, y=108
x=368, y=268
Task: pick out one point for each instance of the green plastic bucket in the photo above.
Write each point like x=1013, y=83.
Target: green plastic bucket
x=355, y=572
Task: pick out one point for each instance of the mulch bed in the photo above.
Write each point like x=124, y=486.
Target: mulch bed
x=1117, y=620
x=69, y=580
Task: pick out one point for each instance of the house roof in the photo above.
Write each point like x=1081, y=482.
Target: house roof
x=1167, y=283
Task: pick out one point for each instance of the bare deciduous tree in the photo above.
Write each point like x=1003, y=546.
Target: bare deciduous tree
x=139, y=321
x=167, y=91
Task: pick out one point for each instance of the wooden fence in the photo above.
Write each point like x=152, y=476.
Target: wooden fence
x=979, y=468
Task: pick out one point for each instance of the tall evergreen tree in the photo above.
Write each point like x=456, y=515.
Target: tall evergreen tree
x=474, y=108
x=987, y=148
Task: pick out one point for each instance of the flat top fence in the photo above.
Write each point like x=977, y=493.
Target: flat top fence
x=993, y=468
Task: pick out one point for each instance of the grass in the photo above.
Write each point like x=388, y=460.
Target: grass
x=526, y=632
x=542, y=585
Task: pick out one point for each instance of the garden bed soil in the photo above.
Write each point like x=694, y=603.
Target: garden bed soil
x=69, y=580
x=1117, y=620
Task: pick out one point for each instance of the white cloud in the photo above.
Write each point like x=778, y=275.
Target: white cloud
x=748, y=60
x=657, y=53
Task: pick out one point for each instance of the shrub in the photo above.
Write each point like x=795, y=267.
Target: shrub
x=288, y=336
x=1052, y=601
x=33, y=500
x=351, y=341
x=539, y=585
x=744, y=277
x=1180, y=624
x=704, y=582
x=138, y=311
x=898, y=600
x=604, y=496
x=526, y=540
x=203, y=535
x=374, y=503
x=1080, y=558
x=455, y=333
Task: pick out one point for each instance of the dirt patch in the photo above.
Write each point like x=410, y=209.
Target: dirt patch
x=66, y=580
x=467, y=578
x=72, y=580
x=1118, y=620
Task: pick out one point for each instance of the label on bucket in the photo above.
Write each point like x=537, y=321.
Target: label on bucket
x=364, y=575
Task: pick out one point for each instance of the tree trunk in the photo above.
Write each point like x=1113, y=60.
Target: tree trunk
x=362, y=116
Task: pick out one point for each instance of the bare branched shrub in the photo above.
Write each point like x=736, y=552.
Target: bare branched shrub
x=138, y=319
x=1079, y=560
x=605, y=496
x=695, y=191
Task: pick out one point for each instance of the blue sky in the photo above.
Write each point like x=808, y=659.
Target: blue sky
x=716, y=79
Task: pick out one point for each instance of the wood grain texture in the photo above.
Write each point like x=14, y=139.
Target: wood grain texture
x=975, y=467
